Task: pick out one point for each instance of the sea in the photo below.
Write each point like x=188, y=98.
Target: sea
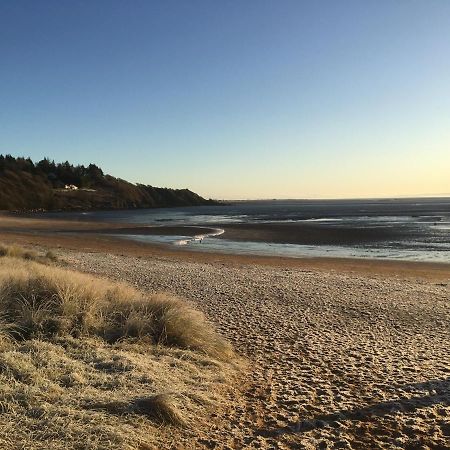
x=418, y=228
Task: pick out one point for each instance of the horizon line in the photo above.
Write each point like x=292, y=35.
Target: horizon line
x=399, y=197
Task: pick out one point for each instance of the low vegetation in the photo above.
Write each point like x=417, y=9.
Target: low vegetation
x=25, y=185
x=88, y=363
x=43, y=301
x=16, y=251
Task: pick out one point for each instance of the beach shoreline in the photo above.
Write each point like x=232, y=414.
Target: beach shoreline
x=105, y=237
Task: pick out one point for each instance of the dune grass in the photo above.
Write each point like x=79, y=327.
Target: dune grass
x=15, y=251
x=39, y=301
x=90, y=363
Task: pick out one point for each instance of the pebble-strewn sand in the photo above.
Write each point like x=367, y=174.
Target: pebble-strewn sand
x=336, y=360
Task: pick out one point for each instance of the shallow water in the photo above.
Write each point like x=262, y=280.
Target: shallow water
x=421, y=226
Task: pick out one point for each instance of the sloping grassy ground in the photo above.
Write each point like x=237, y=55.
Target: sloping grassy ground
x=25, y=185
x=88, y=363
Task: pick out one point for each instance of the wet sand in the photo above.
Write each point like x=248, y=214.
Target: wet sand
x=307, y=234
x=97, y=237
x=302, y=233
x=162, y=230
x=284, y=233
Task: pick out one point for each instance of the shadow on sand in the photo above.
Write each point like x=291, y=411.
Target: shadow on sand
x=438, y=394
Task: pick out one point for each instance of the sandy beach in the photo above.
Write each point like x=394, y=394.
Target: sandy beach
x=342, y=354
x=337, y=360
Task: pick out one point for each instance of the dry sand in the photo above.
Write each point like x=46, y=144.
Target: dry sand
x=337, y=360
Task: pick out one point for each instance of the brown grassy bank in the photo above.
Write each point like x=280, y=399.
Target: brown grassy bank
x=90, y=363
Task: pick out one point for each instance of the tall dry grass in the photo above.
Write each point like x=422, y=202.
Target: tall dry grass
x=83, y=393
x=15, y=251
x=90, y=363
x=40, y=301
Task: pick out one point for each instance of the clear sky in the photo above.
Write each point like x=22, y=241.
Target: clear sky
x=234, y=99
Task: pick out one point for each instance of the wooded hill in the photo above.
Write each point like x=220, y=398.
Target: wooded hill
x=47, y=185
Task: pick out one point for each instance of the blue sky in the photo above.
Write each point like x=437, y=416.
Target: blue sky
x=234, y=99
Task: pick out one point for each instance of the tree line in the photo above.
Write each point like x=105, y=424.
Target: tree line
x=25, y=185
x=58, y=174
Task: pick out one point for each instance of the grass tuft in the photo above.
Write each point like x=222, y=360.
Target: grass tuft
x=161, y=408
x=51, y=256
